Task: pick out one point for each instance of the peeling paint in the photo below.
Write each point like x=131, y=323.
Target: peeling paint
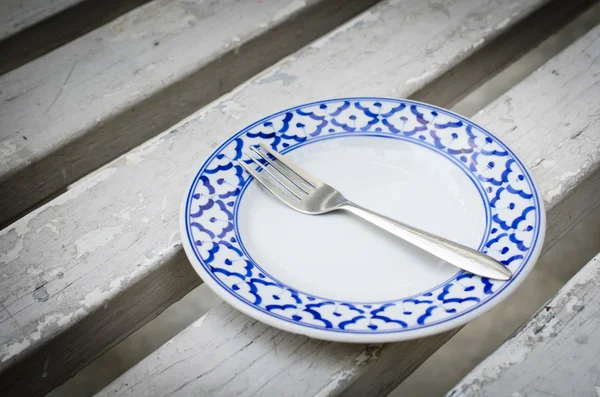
x=505, y=357
x=138, y=155
x=547, y=327
x=570, y=304
x=80, y=189
x=98, y=296
x=198, y=323
x=7, y=150
x=288, y=10
x=554, y=193
x=50, y=226
x=40, y=294
x=277, y=75
x=95, y=239
x=11, y=350
x=544, y=325
x=123, y=214
x=569, y=174
x=231, y=108
x=478, y=43
x=342, y=379
x=49, y=323
x=423, y=76
x=504, y=23
x=337, y=382
x=20, y=229
x=548, y=164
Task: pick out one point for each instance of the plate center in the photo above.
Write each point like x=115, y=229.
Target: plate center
x=339, y=256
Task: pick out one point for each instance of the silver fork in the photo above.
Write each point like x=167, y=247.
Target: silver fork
x=306, y=194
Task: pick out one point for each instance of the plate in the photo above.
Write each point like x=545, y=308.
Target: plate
x=335, y=277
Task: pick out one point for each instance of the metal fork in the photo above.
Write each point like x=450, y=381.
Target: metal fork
x=306, y=194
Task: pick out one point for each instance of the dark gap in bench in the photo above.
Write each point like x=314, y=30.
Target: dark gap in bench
x=500, y=52
x=135, y=125
x=59, y=29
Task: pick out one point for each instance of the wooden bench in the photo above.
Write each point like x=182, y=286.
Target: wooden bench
x=118, y=86
x=225, y=342
x=89, y=267
x=555, y=353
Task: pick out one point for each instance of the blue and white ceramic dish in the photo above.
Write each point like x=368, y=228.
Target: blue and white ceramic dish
x=334, y=277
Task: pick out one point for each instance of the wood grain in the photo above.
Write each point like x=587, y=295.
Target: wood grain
x=73, y=110
x=555, y=353
x=227, y=353
x=78, y=256
x=32, y=28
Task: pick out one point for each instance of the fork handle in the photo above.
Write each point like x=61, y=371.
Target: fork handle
x=458, y=255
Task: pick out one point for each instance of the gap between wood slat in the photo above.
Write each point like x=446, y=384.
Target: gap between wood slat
x=57, y=30
x=499, y=53
x=26, y=189
x=558, y=220
x=150, y=314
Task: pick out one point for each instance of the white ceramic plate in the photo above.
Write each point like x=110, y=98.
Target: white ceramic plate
x=335, y=277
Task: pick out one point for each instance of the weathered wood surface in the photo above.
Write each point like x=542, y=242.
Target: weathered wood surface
x=227, y=353
x=556, y=353
x=36, y=27
x=17, y=15
x=112, y=241
x=69, y=112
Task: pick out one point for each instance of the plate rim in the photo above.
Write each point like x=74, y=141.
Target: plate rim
x=363, y=337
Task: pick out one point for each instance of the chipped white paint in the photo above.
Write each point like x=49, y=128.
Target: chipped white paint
x=291, y=8
x=19, y=229
x=95, y=239
x=99, y=295
x=90, y=90
x=232, y=108
x=60, y=320
x=337, y=380
x=570, y=304
x=173, y=369
x=50, y=226
x=138, y=155
x=198, y=323
x=503, y=24
x=432, y=71
x=123, y=214
x=86, y=185
x=8, y=148
x=557, y=349
x=11, y=350
x=139, y=189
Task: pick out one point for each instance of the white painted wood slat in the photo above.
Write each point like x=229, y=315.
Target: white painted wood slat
x=17, y=15
x=556, y=353
x=226, y=353
x=74, y=109
x=91, y=266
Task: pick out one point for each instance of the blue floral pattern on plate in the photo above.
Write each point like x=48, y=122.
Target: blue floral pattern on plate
x=514, y=229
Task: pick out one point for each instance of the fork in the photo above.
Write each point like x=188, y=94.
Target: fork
x=307, y=194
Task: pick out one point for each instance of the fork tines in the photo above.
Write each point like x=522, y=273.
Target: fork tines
x=296, y=183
